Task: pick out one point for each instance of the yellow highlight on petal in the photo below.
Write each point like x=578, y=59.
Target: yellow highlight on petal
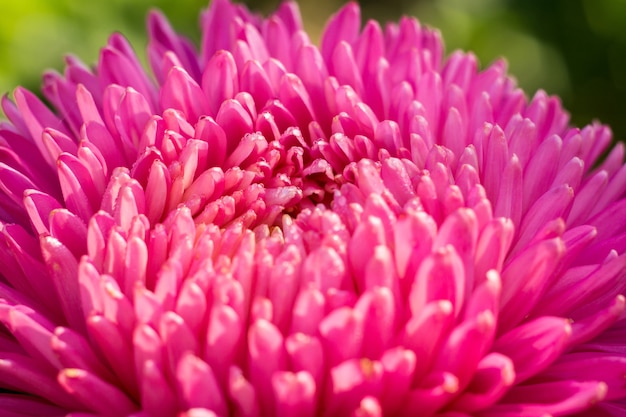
x=112, y=291
x=602, y=390
x=368, y=367
x=74, y=372
x=450, y=385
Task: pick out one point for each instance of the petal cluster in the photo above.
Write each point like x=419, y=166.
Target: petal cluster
x=265, y=227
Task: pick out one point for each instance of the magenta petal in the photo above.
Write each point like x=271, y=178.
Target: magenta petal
x=220, y=80
x=592, y=326
x=92, y=299
x=379, y=318
x=217, y=35
x=537, y=263
x=117, y=351
x=223, y=337
x=116, y=306
x=181, y=92
x=119, y=65
x=63, y=268
x=198, y=412
x=132, y=116
x=306, y=354
x=198, y=386
x=545, y=159
x=242, y=394
x=398, y=367
x=13, y=114
x=426, y=332
x=366, y=237
x=397, y=179
x=494, y=375
x=595, y=285
x=14, y=184
x=508, y=204
x=492, y=246
x=235, y=121
x=77, y=187
x=275, y=31
x=163, y=38
x=554, y=398
x=551, y=205
x=251, y=36
x=178, y=339
x=156, y=191
x=308, y=311
x=37, y=117
x=345, y=68
x=23, y=155
x=38, y=206
x=147, y=347
x=23, y=374
x=441, y=276
x=255, y=80
x=156, y=395
x=98, y=231
x=70, y=230
x=350, y=381
x=16, y=405
x=294, y=393
x=344, y=25
x=136, y=262
x=486, y=296
x=342, y=334
x=74, y=351
x=535, y=345
x=589, y=366
x=22, y=265
x=191, y=305
x=432, y=394
x=34, y=334
x=472, y=337
x=413, y=236
x=83, y=384
x=294, y=96
x=266, y=356
x=368, y=407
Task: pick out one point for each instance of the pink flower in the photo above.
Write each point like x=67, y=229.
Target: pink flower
x=269, y=228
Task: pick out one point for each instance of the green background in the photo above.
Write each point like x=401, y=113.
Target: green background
x=573, y=48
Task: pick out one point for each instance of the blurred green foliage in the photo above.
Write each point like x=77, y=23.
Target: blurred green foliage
x=573, y=48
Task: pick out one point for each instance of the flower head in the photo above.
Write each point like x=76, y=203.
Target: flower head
x=269, y=228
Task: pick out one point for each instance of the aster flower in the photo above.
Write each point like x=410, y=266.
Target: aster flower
x=269, y=228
